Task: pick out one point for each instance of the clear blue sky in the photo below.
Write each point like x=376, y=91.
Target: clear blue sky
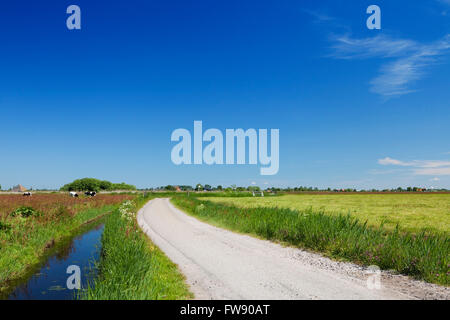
x=355, y=107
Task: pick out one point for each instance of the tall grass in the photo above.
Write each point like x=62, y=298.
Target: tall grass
x=131, y=267
x=423, y=255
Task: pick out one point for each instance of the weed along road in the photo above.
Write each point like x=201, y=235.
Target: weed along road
x=220, y=264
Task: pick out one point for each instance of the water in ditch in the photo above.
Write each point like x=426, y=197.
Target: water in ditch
x=49, y=280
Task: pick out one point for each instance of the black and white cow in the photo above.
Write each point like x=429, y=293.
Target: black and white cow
x=90, y=193
x=27, y=194
x=73, y=194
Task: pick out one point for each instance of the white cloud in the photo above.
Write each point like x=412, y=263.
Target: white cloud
x=421, y=167
x=409, y=59
x=390, y=161
x=435, y=179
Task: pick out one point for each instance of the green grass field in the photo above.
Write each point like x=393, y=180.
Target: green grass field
x=412, y=212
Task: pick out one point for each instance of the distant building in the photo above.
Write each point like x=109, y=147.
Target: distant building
x=19, y=188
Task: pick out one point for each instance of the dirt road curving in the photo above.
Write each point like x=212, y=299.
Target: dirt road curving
x=219, y=264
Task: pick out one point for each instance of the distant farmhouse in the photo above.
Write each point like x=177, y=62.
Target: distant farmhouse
x=19, y=188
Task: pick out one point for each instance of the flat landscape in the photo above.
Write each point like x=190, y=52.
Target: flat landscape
x=412, y=212
x=230, y=245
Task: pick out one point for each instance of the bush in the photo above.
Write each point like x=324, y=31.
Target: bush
x=25, y=212
x=4, y=226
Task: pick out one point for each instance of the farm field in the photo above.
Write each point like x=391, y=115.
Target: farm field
x=412, y=212
x=31, y=225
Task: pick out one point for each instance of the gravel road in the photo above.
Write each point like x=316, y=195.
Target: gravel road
x=220, y=264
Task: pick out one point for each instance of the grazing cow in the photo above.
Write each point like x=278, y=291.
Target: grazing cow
x=90, y=193
x=73, y=194
x=27, y=194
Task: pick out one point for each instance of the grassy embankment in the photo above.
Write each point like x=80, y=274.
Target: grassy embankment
x=29, y=226
x=131, y=266
x=423, y=255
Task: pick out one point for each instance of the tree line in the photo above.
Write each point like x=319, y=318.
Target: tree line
x=207, y=187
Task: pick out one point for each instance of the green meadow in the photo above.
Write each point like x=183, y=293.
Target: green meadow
x=412, y=212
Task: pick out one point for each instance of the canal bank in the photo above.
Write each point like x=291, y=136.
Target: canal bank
x=48, y=279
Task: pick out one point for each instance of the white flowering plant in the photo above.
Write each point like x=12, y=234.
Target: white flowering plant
x=127, y=210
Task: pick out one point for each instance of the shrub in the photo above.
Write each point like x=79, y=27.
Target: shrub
x=24, y=212
x=4, y=226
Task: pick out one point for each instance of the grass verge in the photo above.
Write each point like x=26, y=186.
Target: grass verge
x=131, y=267
x=423, y=255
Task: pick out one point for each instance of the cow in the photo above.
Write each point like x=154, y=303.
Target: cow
x=27, y=194
x=73, y=194
x=90, y=193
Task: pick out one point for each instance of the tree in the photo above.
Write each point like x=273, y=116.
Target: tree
x=91, y=184
x=199, y=187
x=105, y=185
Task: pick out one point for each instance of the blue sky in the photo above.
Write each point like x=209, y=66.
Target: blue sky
x=355, y=107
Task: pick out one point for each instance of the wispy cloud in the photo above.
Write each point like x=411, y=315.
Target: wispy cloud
x=380, y=172
x=433, y=171
x=318, y=16
x=421, y=167
x=447, y=2
x=407, y=64
x=383, y=46
x=390, y=161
